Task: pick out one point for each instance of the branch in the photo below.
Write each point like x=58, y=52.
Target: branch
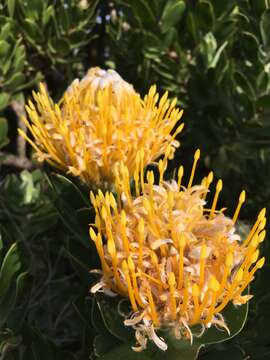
x=18, y=108
x=21, y=162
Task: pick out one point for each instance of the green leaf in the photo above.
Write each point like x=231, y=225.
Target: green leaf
x=235, y=318
x=144, y=12
x=192, y=27
x=1, y=243
x=11, y=7
x=16, y=80
x=7, y=303
x=4, y=47
x=32, y=8
x=60, y=46
x=103, y=344
x=113, y=320
x=47, y=15
x=217, y=55
x=44, y=349
x=265, y=27
x=96, y=319
x=205, y=15
x=69, y=202
x=8, y=343
x=124, y=352
x=5, y=31
x=33, y=31
x=3, y=132
x=172, y=14
x=30, y=192
x=259, y=5
x=184, y=350
x=264, y=102
x=80, y=265
x=10, y=267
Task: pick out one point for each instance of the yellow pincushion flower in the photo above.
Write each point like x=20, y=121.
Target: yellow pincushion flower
x=179, y=261
x=99, y=122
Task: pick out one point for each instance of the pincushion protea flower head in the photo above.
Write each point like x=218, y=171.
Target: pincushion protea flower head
x=100, y=121
x=178, y=261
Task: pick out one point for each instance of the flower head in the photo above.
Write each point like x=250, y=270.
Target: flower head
x=99, y=122
x=179, y=261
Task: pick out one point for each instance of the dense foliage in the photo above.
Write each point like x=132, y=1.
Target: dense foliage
x=215, y=57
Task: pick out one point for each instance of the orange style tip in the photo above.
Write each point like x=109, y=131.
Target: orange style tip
x=100, y=194
x=92, y=234
x=150, y=177
x=262, y=214
x=104, y=213
x=210, y=177
x=21, y=132
x=260, y=263
x=242, y=196
x=197, y=154
x=239, y=275
x=262, y=224
x=111, y=247
x=182, y=241
x=180, y=171
x=42, y=87
x=254, y=256
x=131, y=264
x=219, y=185
x=255, y=241
x=112, y=201
x=92, y=197
x=181, y=127
x=262, y=236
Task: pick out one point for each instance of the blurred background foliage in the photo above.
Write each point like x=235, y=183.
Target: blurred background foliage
x=215, y=57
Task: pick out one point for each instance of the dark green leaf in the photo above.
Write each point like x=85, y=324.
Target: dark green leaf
x=3, y=132
x=47, y=15
x=144, y=12
x=124, y=352
x=11, y=7
x=205, y=15
x=4, y=47
x=15, y=81
x=172, y=14
x=33, y=31
x=103, y=344
x=235, y=318
x=5, y=31
x=264, y=102
x=10, y=267
x=109, y=310
x=265, y=27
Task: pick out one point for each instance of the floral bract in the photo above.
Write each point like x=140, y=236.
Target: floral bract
x=100, y=121
x=179, y=261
